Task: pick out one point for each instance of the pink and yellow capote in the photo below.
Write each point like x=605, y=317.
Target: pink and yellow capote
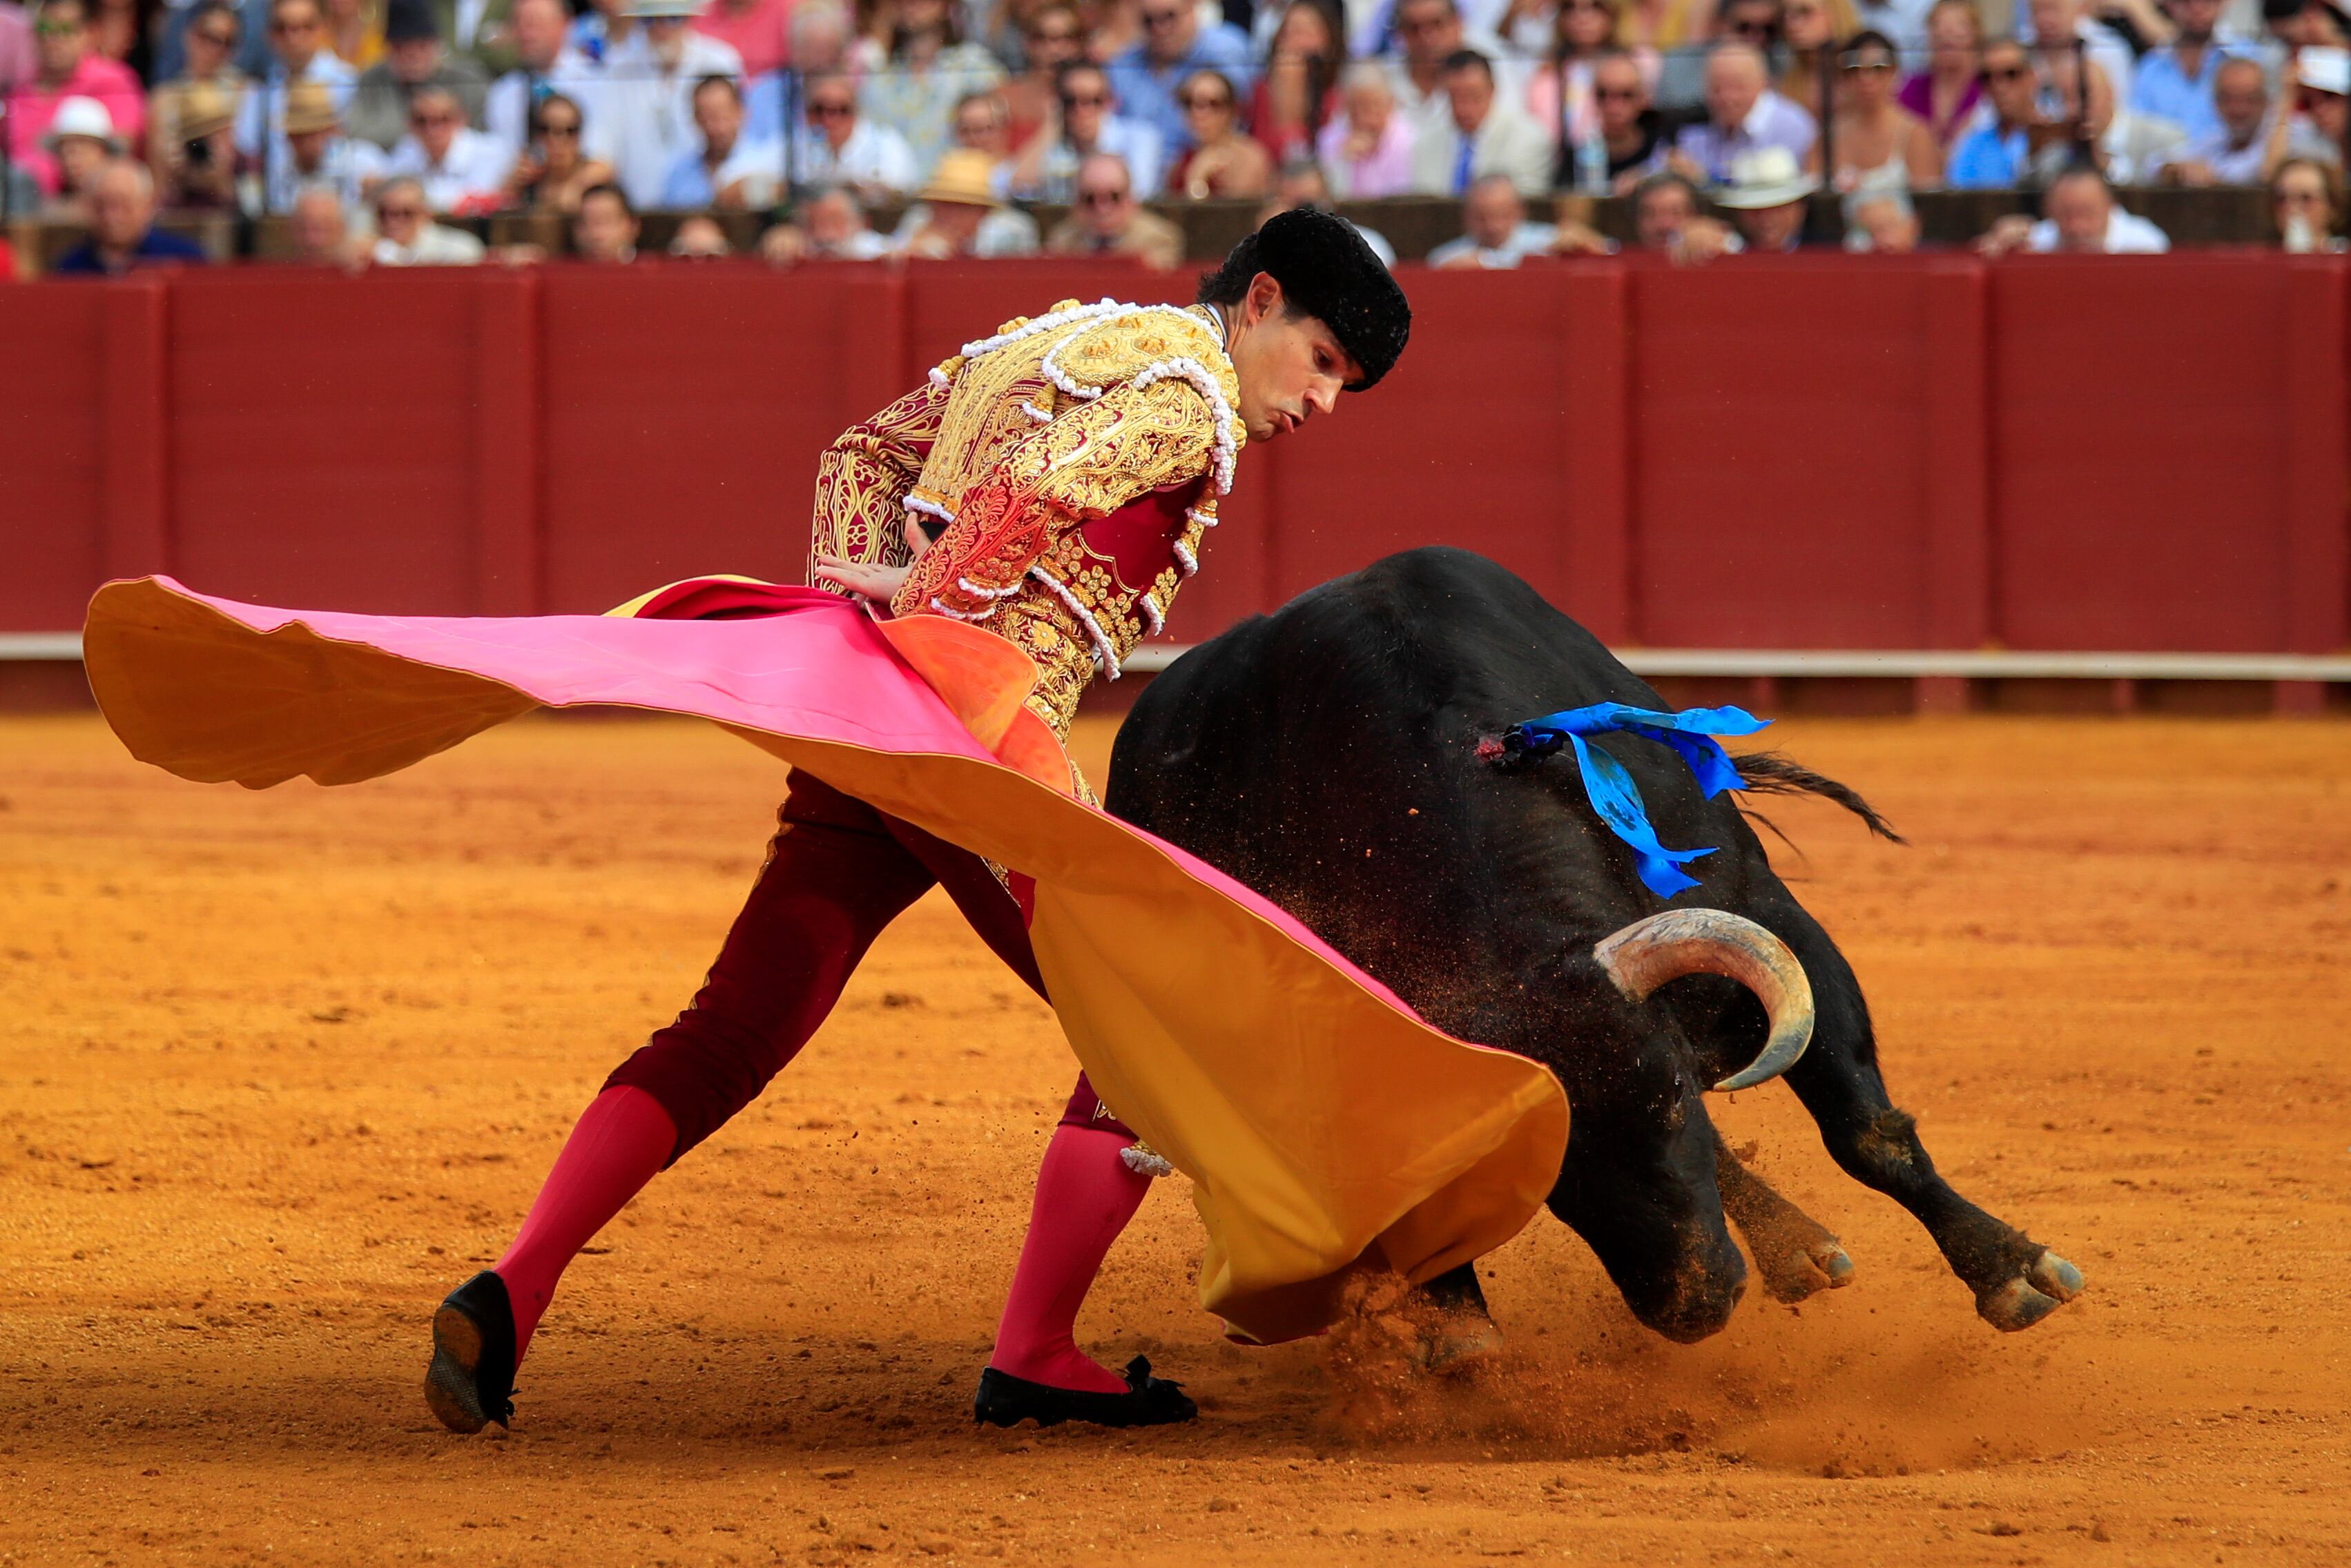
x=1326, y=1128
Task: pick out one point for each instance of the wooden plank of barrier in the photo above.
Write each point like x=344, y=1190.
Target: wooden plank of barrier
x=509, y=563
x=132, y=521
x=1959, y=473
x=2318, y=556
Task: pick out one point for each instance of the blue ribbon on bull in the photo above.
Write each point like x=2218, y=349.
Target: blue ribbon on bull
x=1614, y=794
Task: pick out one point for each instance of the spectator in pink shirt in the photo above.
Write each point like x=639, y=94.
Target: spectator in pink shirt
x=1366, y=148
x=761, y=31
x=16, y=45
x=68, y=67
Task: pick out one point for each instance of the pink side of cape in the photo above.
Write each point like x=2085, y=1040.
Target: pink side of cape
x=814, y=666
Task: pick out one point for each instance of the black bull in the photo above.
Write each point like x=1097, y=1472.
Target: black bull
x=1327, y=754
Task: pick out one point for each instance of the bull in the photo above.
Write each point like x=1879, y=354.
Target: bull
x=1338, y=756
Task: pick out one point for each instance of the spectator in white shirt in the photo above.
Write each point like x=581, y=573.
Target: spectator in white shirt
x=831, y=228
x=318, y=153
x=1743, y=115
x=461, y=170
x=406, y=234
x=546, y=61
x=1483, y=134
x=298, y=37
x=2084, y=218
x=1430, y=31
x=1496, y=233
x=645, y=105
x=836, y=145
x=2248, y=144
x=604, y=231
x=727, y=171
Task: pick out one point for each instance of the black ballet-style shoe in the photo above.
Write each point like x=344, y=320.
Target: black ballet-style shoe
x=471, y=1381
x=1007, y=1401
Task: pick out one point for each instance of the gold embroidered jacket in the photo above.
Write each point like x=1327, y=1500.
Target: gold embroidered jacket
x=1075, y=459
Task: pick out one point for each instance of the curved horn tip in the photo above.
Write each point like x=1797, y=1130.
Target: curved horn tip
x=1646, y=954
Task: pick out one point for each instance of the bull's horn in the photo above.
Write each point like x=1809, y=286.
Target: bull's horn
x=1647, y=953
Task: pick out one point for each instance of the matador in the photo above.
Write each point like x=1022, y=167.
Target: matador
x=1054, y=483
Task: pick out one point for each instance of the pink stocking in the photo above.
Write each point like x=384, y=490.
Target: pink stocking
x=621, y=1141
x=1085, y=1196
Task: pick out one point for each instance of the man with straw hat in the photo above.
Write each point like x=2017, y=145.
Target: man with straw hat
x=199, y=168
x=960, y=215
x=318, y=153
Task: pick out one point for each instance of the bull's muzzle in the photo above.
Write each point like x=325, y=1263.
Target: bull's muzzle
x=1649, y=952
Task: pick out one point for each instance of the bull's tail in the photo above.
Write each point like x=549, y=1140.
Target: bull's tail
x=1776, y=773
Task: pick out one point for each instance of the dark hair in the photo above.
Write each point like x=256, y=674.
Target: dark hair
x=1468, y=60
x=203, y=8
x=733, y=88
x=1232, y=93
x=1081, y=64
x=1867, y=37
x=606, y=188
x=1328, y=272
x=538, y=112
x=1667, y=181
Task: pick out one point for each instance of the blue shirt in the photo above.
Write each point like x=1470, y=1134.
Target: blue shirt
x=1146, y=92
x=2160, y=88
x=154, y=247
x=1989, y=159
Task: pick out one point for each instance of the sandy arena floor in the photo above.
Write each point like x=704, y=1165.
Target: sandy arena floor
x=279, y=1070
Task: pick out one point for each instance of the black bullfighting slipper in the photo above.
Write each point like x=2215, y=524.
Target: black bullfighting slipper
x=1007, y=1401
x=471, y=1381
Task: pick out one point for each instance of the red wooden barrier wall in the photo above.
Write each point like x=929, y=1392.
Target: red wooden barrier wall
x=2142, y=453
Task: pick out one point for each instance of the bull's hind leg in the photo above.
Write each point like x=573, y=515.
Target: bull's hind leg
x=1795, y=1253
x=2016, y=1280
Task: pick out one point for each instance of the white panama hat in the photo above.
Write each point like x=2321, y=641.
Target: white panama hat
x=80, y=116
x=1767, y=177
x=2325, y=70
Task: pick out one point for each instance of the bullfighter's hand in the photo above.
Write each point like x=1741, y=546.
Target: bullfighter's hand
x=879, y=583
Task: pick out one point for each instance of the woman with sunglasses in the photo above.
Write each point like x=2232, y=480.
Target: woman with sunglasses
x=554, y=171
x=1810, y=28
x=1880, y=145
x=1298, y=91
x=2307, y=205
x=1947, y=93
x=1224, y=161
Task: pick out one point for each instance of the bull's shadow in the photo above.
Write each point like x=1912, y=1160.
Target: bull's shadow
x=1329, y=755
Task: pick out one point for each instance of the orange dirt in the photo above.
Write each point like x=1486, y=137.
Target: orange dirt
x=280, y=1070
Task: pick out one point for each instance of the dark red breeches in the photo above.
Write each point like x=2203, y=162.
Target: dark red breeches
x=838, y=871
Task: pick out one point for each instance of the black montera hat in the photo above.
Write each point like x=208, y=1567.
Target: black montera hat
x=1328, y=272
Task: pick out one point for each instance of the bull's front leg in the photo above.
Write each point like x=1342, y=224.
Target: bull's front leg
x=1796, y=1255
x=2017, y=1282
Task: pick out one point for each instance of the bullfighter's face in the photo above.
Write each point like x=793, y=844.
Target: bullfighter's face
x=1290, y=365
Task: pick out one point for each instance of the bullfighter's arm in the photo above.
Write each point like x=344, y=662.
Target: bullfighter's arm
x=1090, y=460
x=862, y=483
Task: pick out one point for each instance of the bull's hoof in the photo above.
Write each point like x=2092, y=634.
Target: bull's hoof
x=2021, y=1302
x=1792, y=1277
x=1457, y=1342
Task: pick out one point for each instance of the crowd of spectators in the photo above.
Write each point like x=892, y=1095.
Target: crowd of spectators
x=375, y=128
